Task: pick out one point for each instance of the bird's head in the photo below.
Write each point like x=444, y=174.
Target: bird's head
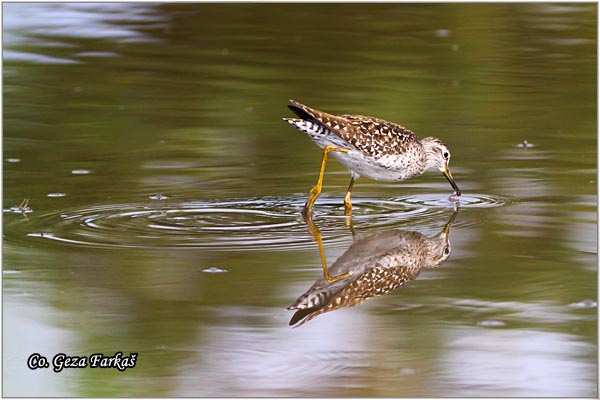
x=438, y=157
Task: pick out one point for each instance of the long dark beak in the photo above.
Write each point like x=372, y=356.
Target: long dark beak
x=448, y=176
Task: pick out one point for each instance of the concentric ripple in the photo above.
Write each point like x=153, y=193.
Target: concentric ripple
x=242, y=224
x=470, y=200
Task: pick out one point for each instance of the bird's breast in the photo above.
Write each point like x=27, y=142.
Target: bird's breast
x=387, y=168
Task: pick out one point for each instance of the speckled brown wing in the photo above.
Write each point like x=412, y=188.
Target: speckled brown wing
x=376, y=136
x=373, y=136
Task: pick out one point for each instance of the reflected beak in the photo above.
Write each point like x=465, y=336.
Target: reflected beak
x=448, y=176
x=448, y=225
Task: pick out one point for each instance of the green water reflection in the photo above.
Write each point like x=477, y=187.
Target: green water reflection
x=186, y=101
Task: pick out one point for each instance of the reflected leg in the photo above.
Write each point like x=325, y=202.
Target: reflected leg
x=316, y=233
x=316, y=190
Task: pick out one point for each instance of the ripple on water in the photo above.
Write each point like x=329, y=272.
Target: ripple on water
x=470, y=200
x=272, y=223
x=214, y=270
x=81, y=172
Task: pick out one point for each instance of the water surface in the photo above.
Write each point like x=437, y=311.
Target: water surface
x=165, y=194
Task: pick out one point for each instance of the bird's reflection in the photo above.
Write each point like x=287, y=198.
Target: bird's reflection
x=372, y=266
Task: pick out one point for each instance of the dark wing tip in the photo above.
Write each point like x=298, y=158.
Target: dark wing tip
x=301, y=111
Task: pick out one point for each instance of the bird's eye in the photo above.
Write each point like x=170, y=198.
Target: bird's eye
x=446, y=155
x=446, y=251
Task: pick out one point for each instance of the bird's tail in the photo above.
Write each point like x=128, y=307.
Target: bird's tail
x=302, y=111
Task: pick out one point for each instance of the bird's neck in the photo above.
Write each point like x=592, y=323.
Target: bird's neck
x=429, y=150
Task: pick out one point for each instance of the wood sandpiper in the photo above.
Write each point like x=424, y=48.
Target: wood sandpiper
x=370, y=147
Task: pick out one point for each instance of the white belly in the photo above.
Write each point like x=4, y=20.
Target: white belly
x=387, y=168
x=390, y=168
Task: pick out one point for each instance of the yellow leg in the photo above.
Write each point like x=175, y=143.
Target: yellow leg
x=314, y=230
x=347, y=202
x=316, y=190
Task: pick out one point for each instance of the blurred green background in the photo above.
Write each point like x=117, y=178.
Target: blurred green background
x=107, y=105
